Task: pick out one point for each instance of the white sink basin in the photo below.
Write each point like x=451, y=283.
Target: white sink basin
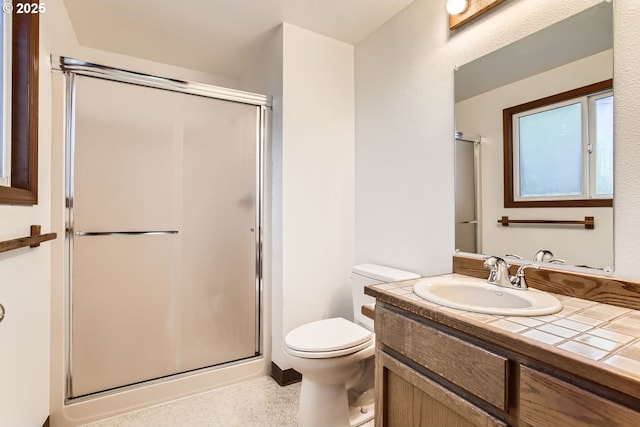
x=477, y=295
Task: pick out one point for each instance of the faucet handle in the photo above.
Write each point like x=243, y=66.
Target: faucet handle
x=493, y=261
x=543, y=255
x=498, y=271
x=518, y=281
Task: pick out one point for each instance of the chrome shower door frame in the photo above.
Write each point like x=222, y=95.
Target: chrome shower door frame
x=73, y=67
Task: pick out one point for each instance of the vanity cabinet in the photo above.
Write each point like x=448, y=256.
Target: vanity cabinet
x=428, y=374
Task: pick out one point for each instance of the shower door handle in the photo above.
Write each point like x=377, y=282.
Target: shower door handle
x=122, y=233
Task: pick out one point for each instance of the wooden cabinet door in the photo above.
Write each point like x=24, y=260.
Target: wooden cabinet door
x=406, y=398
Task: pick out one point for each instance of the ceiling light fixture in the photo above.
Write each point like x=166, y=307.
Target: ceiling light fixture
x=456, y=7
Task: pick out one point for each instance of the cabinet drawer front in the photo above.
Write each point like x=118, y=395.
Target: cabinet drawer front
x=407, y=398
x=546, y=401
x=465, y=365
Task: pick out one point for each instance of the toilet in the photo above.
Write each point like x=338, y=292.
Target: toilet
x=335, y=358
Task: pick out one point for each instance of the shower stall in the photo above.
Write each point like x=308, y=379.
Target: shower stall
x=164, y=183
x=468, y=191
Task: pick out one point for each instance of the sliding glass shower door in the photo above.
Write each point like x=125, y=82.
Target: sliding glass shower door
x=163, y=232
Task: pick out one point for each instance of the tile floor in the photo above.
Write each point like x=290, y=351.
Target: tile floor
x=259, y=402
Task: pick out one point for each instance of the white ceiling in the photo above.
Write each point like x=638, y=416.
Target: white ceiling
x=216, y=36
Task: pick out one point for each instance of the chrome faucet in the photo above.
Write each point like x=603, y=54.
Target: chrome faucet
x=499, y=273
x=545, y=255
x=518, y=280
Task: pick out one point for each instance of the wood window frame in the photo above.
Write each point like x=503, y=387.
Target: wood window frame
x=507, y=126
x=24, y=111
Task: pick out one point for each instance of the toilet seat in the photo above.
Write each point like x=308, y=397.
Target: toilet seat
x=327, y=338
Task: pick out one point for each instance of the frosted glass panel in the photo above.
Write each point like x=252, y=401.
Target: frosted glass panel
x=148, y=306
x=550, y=152
x=4, y=102
x=465, y=206
x=125, y=153
x=604, y=145
x=465, y=181
x=218, y=291
x=121, y=332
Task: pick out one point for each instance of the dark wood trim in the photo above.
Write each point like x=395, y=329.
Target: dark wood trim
x=46, y=422
x=368, y=311
x=507, y=129
x=32, y=241
x=588, y=222
x=24, y=111
x=286, y=377
x=602, y=289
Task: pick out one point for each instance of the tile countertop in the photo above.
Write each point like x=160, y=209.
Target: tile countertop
x=593, y=340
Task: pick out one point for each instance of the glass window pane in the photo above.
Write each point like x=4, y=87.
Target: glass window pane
x=603, y=145
x=2, y=99
x=550, y=152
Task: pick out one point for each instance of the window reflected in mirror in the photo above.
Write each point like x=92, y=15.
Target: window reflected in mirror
x=5, y=94
x=602, y=129
x=559, y=149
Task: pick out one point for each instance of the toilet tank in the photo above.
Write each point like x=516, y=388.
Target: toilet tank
x=371, y=274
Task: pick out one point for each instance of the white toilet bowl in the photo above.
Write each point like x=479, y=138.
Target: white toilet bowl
x=335, y=358
x=330, y=354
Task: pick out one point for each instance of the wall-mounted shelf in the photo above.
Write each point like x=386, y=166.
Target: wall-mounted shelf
x=589, y=222
x=32, y=241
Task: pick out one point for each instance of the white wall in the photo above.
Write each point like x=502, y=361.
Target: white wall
x=626, y=85
x=310, y=79
x=25, y=293
x=404, y=157
x=404, y=127
x=316, y=206
x=482, y=115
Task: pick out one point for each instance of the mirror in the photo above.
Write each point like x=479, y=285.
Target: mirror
x=20, y=130
x=572, y=53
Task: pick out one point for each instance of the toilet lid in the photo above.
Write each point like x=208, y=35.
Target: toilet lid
x=327, y=335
